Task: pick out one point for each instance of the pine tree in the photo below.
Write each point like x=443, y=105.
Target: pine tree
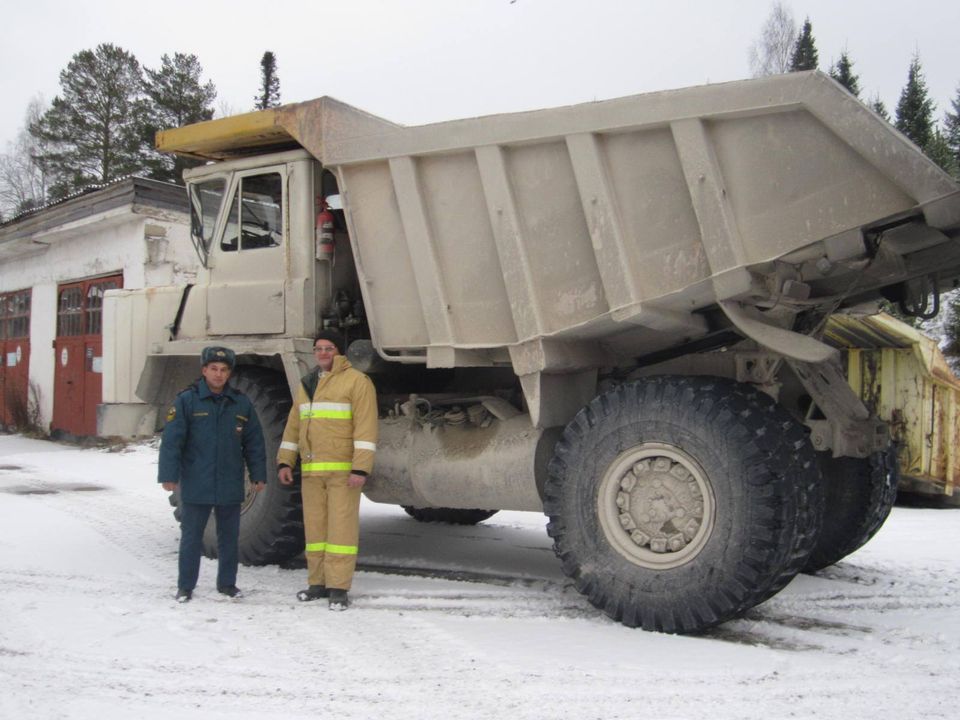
x=939, y=151
x=951, y=124
x=842, y=72
x=914, y=116
x=951, y=330
x=93, y=129
x=804, y=50
x=269, y=95
x=878, y=106
x=770, y=54
x=178, y=97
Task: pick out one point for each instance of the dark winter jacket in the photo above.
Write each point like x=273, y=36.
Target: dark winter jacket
x=205, y=443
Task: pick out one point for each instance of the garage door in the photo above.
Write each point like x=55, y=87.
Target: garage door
x=78, y=387
x=14, y=358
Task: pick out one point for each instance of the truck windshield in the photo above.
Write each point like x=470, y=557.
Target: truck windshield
x=205, y=200
x=255, y=219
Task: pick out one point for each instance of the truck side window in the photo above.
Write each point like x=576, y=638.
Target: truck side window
x=206, y=199
x=258, y=205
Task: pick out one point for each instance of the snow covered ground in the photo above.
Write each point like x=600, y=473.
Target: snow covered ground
x=90, y=630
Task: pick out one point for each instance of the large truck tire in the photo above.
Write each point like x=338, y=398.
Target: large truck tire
x=677, y=503
x=271, y=524
x=860, y=493
x=271, y=521
x=451, y=516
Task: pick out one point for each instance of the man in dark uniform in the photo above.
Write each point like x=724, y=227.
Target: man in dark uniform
x=211, y=431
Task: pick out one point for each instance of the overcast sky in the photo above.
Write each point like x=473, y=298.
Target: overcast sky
x=416, y=61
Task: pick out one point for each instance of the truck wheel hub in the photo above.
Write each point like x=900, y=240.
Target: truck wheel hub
x=656, y=505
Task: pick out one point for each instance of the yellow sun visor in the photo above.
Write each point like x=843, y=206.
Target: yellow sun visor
x=229, y=137
x=313, y=125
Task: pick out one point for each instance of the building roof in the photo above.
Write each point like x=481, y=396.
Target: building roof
x=141, y=195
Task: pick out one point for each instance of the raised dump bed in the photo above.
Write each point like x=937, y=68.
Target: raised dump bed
x=619, y=221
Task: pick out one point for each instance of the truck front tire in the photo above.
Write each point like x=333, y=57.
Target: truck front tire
x=676, y=503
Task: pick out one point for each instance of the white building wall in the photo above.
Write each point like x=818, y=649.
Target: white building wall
x=103, y=246
x=43, y=330
x=149, y=250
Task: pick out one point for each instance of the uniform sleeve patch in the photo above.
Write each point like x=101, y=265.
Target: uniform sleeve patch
x=171, y=413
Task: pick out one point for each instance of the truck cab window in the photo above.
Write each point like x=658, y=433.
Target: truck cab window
x=205, y=201
x=256, y=216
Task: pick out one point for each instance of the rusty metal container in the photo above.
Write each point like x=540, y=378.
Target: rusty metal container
x=903, y=378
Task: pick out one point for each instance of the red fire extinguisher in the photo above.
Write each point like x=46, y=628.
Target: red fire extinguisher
x=324, y=231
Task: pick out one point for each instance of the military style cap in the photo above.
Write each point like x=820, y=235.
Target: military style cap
x=218, y=354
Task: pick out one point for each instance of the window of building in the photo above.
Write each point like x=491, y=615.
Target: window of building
x=94, y=305
x=70, y=311
x=80, y=307
x=15, y=314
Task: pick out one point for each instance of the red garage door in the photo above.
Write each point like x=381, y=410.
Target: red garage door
x=14, y=357
x=77, y=378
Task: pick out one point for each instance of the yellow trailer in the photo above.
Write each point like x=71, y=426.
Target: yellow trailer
x=903, y=378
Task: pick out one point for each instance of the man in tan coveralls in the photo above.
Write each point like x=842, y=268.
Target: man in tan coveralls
x=332, y=428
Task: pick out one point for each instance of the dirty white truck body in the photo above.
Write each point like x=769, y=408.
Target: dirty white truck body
x=611, y=312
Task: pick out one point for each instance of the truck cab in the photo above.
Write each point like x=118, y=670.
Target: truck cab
x=253, y=223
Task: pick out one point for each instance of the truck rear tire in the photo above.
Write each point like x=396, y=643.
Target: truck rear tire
x=677, y=503
x=860, y=493
x=271, y=521
x=451, y=516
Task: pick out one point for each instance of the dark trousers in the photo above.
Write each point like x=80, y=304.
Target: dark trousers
x=193, y=520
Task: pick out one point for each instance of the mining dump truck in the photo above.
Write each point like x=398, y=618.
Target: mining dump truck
x=611, y=313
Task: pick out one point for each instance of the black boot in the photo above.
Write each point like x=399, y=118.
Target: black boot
x=339, y=599
x=184, y=595
x=314, y=592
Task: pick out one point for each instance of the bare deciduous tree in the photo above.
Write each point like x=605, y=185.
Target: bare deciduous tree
x=770, y=54
x=225, y=109
x=23, y=184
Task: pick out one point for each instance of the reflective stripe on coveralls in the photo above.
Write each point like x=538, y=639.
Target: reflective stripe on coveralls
x=326, y=467
x=332, y=411
x=331, y=548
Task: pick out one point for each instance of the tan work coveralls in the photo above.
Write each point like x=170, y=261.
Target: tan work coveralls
x=334, y=433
